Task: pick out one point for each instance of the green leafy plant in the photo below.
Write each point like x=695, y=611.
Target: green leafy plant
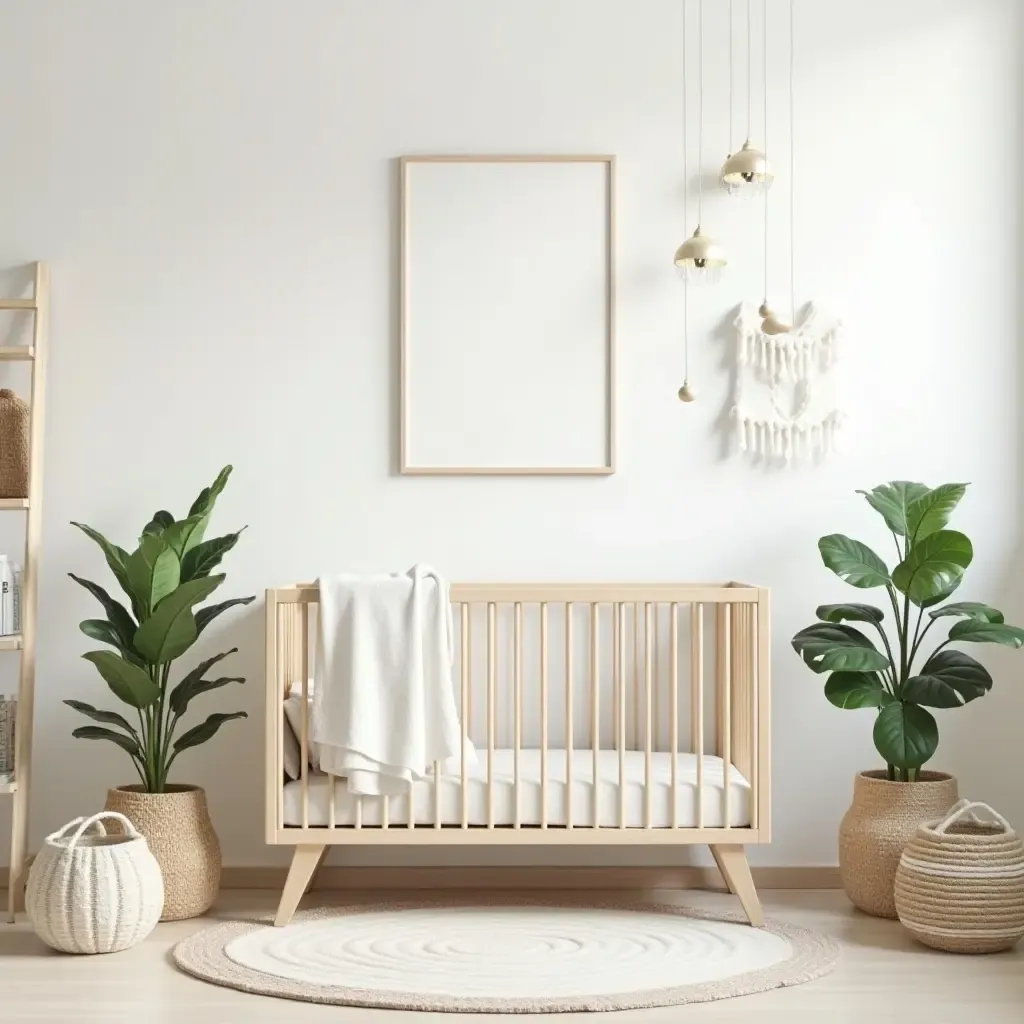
x=165, y=579
x=931, y=565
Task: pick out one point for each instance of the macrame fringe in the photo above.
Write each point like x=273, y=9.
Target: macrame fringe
x=788, y=441
x=809, y=348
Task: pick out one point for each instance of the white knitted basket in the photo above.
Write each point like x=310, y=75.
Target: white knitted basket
x=94, y=893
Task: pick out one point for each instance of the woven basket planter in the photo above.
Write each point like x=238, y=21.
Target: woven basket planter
x=960, y=883
x=94, y=892
x=179, y=831
x=882, y=818
x=14, y=418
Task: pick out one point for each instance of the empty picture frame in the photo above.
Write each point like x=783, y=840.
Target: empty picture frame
x=507, y=317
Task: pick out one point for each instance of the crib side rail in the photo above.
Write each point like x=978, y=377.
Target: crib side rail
x=630, y=672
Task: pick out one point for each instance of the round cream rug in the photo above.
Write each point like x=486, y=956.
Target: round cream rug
x=499, y=958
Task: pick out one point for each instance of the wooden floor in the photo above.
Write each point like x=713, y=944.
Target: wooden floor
x=883, y=978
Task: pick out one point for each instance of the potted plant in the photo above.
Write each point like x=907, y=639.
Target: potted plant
x=900, y=680
x=166, y=578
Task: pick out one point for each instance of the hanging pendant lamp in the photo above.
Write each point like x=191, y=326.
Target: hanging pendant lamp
x=700, y=258
x=747, y=172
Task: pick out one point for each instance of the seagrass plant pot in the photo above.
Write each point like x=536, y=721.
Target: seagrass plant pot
x=881, y=820
x=178, y=829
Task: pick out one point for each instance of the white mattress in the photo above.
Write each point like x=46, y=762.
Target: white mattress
x=320, y=788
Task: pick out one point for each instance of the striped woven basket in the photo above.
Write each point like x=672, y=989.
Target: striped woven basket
x=960, y=883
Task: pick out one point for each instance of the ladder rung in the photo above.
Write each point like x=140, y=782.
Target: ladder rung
x=13, y=503
x=10, y=642
x=17, y=304
x=17, y=352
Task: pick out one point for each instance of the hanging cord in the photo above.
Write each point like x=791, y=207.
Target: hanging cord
x=750, y=64
x=792, y=175
x=686, y=215
x=732, y=101
x=764, y=84
x=700, y=116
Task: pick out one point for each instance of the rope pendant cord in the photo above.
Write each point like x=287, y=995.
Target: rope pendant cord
x=732, y=101
x=792, y=172
x=750, y=64
x=764, y=84
x=686, y=214
x=700, y=115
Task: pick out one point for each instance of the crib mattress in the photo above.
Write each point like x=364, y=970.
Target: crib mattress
x=322, y=789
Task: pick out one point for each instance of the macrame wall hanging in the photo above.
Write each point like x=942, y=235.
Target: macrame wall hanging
x=785, y=399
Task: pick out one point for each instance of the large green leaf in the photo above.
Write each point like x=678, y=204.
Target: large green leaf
x=96, y=732
x=948, y=679
x=118, y=615
x=183, y=692
x=849, y=611
x=100, y=629
x=943, y=595
x=208, y=495
x=933, y=565
x=106, y=717
x=160, y=521
x=893, y=500
x=852, y=561
x=128, y=682
x=117, y=557
x=905, y=735
x=969, y=610
x=205, y=730
x=171, y=630
x=182, y=536
x=206, y=615
x=930, y=513
x=153, y=572
x=205, y=557
x=856, y=690
x=976, y=631
x=829, y=647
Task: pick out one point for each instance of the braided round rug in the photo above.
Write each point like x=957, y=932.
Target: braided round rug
x=541, y=957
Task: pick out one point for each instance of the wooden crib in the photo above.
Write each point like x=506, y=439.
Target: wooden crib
x=601, y=713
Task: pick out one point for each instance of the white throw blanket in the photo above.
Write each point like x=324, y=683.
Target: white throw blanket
x=383, y=707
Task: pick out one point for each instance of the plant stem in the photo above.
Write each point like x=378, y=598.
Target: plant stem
x=890, y=772
x=919, y=639
x=900, y=633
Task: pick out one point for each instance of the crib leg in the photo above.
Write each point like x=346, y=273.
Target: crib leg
x=319, y=864
x=732, y=862
x=305, y=861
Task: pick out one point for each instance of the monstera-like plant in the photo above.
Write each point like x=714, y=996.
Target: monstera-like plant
x=895, y=676
x=166, y=578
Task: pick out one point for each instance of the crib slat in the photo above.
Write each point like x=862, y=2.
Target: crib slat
x=657, y=675
x=636, y=676
x=673, y=710
x=437, y=794
x=304, y=734
x=517, y=659
x=754, y=738
x=595, y=702
x=543, y=714
x=697, y=685
x=621, y=686
x=568, y=714
x=359, y=812
x=464, y=629
x=647, y=715
x=725, y=654
x=385, y=810
x=491, y=676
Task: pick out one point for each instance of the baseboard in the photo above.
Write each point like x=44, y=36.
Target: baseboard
x=533, y=877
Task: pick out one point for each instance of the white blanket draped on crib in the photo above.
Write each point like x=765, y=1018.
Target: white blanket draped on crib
x=383, y=706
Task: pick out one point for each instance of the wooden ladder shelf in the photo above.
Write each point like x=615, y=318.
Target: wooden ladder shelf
x=19, y=790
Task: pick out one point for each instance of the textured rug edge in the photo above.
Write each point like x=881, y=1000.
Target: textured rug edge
x=202, y=956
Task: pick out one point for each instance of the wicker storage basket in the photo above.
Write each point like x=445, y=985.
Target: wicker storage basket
x=960, y=883
x=94, y=892
x=14, y=416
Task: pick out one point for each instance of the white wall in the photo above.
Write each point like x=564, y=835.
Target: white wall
x=213, y=184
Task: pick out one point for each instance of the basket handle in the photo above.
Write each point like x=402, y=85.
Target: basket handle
x=97, y=819
x=62, y=832
x=962, y=807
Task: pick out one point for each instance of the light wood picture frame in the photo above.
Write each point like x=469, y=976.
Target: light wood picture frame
x=507, y=315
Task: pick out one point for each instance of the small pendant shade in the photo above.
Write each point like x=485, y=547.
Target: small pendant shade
x=746, y=173
x=700, y=257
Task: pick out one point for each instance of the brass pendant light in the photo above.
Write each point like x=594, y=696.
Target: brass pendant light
x=700, y=258
x=747, y=172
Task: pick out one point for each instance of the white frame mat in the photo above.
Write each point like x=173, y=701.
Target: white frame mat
x=507, y=315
